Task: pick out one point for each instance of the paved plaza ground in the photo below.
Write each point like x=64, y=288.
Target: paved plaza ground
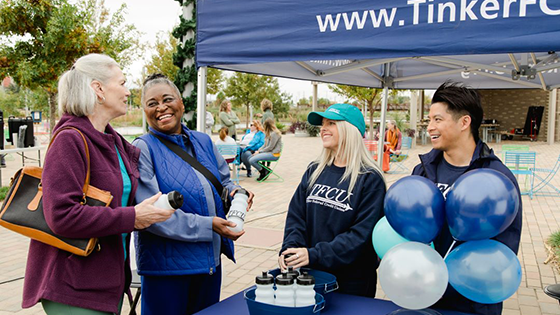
x=258, y=249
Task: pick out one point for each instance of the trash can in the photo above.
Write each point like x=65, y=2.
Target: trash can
x=26, y=138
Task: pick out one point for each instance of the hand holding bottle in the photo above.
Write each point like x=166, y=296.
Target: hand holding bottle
x=222, y=227
x=148, y=214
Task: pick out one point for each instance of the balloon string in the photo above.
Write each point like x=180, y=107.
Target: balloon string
x=450, y=248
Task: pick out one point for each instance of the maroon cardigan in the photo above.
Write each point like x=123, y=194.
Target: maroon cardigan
x=97, y=281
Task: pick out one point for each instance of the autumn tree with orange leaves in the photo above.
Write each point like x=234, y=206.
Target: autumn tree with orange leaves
x=40, y=39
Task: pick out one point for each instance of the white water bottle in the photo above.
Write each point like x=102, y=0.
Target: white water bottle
x=238, y=210
x=172, y=200
x=294, y=274
x=265, y=291
x=284, y=290
x=305, y=293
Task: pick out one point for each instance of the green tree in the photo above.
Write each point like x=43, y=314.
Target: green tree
x=214, y=81
x=162, y=59
x=248, y=90
x=365, y=96
x=43, y=38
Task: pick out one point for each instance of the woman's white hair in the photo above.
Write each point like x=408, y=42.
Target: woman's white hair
x=351, y=148
x=76, y=96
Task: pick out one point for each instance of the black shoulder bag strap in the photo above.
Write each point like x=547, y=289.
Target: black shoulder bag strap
x=199, y=167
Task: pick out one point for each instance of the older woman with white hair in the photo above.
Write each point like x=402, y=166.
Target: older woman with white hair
x=336, y=205
x=91, y=94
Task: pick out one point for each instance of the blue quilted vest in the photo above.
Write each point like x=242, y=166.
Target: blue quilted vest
x=164, y=256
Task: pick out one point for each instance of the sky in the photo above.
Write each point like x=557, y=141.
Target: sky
x=152, y=17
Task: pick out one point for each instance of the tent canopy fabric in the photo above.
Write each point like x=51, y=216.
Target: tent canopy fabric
x=485, y=43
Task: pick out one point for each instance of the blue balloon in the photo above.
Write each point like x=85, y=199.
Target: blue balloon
x=415, y=208
x=384, y=237
x=484, y=271
x=481, y=204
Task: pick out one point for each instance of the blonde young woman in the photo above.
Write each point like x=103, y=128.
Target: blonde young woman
x=271, y=149
x=336, y=205
x=228, y=118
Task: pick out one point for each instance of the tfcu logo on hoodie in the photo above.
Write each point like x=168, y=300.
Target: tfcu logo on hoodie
x=328, y=196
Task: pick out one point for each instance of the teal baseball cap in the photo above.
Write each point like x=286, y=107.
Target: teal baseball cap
x=346, y=112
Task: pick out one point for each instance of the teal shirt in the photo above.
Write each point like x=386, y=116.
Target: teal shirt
x=127, y=186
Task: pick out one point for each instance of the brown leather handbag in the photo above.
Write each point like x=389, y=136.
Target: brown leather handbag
x=22, y=211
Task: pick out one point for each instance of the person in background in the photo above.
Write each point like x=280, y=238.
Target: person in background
x=228, y=118
x=336, y=205
x=209, y=121
x=266, y=107
x=180, y=259
x=393, y=137
x=393, y=142
x=251, y=142
x=271, y=149
x=224, y=137
x=90, y=95
x=455, y=116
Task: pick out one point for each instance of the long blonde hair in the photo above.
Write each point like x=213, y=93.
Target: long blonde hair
x=270, y=126
x=351, y=148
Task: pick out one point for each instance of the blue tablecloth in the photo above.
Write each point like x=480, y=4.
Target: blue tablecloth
x=338, y=303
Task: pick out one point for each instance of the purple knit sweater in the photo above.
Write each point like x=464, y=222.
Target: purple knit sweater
x=98, y=281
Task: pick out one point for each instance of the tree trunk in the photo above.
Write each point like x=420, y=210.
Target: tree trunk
x=52, y=111
x=247, y=117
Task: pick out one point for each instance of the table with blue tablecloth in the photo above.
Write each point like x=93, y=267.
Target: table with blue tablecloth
x=337, y=303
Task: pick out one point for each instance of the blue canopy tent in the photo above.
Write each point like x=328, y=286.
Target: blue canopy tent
x=400, y=44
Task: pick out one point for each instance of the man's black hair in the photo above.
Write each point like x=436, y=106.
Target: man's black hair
x=461, y=101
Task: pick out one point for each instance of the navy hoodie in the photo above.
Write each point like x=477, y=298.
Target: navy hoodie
x=336, y=227
x=483, y=157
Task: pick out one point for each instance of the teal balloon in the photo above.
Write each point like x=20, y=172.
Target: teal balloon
x=384, y=237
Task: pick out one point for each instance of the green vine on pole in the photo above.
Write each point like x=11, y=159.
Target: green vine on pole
x=186, y=51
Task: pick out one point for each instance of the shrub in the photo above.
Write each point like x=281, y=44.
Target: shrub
x=280, y=126
x=312, y=130
x=298, y=125
x=3, y=192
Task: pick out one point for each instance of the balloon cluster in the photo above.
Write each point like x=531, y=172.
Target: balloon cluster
x=480, y=205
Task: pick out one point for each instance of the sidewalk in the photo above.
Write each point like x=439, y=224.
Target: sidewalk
x=257, y=250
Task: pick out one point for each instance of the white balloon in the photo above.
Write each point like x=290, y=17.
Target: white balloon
x=413, y=275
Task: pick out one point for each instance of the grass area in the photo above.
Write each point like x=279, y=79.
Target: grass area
x=553, y=247
x=133, y=117
x=3, y=192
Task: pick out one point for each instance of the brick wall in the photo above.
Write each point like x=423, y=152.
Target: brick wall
x=509, y=107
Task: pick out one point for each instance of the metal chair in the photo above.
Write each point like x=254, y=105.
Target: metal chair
x=398, y=160
x=135, y=284
x=513, y=147
x=545, y=180
x=522, y=163
x=230, y=152
x=270, y=165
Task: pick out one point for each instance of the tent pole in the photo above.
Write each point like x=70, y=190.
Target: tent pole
x=413, y=122
x=201, y=100
x=314, y=105
x=381, y=142
x=552, y=102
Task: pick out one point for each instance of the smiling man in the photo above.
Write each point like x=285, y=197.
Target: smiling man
x=455, y=117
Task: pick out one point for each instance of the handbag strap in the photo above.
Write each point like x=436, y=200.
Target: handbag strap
x=86, y=184
x=192, y=161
